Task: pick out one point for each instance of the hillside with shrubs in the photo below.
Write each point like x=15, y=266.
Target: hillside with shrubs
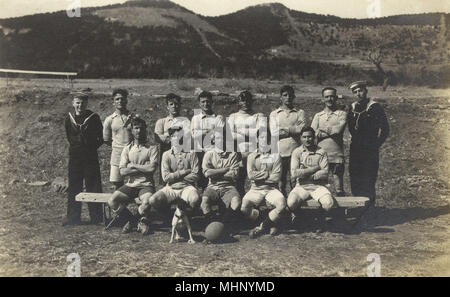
x=160, y=39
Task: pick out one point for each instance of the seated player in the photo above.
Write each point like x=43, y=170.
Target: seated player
x=264, y=172
x=309, y=169
x=138, y=162
x=179, y=170
x=222, y=170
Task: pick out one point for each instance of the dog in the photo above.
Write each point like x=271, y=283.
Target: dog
x=180, y=222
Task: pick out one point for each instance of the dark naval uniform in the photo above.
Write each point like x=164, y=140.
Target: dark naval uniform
x=369, y=129
x=85, y=135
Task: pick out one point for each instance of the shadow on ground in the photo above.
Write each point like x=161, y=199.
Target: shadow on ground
x=354, y=221
x=373, y=219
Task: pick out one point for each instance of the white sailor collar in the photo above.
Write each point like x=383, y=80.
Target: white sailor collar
x=369, y=104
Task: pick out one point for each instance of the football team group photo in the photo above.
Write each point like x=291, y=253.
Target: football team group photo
x=204, y=162
x=210, y=138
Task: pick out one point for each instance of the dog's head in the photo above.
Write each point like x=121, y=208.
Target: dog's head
x=181, y=224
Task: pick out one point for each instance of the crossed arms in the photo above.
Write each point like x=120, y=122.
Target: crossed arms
x=127, y=168
x=229, y=172
x=182, y=173
x=329, y=130
x=317, y=172
x=269, y=173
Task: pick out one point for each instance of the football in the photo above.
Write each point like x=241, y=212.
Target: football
x=214, y=231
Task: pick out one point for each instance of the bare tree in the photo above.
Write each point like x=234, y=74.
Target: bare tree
x=376, y=57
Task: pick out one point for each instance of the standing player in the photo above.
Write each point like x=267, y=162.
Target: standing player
x=222, y=170
x=369, y=128
x=116, y=133
x=329, y=125
x=290, y=122
x=309, y=168
x=264, y=172
x=84, y=134
x=138, y=162
x=207, y=129
x=179, y=170
x=244, y=126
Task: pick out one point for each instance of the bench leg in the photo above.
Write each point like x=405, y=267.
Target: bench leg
x=104, y=213
x=361, y=218
x=106, y=210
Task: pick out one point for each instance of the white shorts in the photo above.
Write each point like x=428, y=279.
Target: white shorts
x=116, y=153
x=272, y=196
x=187, y=193
x=315, y=191
x=114, y=174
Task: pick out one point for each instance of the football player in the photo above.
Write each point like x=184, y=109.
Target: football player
x=179, y=170
x=264, y=172
x=329, y=125
x=309, y=169
x=138, y=162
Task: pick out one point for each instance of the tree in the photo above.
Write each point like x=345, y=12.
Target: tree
x=376, y=57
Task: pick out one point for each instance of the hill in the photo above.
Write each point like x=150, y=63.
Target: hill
x=160, y=39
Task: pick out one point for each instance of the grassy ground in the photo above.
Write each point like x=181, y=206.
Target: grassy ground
x=408, y=228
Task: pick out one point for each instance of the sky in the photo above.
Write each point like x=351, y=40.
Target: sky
x=341, y=8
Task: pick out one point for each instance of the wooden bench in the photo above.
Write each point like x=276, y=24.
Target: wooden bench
x=341, y=202
x=93, y=197
x=100, y=198
x=344, y=202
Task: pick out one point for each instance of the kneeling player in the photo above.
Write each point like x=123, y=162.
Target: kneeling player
x=138, y=162
x=180, y=172
x=264, y=172
x=222, y=170
x=309, y=168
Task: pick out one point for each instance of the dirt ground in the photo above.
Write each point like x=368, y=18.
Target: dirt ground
x=408, y=228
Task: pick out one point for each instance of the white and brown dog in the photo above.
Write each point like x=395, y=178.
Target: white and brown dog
x=180, y=222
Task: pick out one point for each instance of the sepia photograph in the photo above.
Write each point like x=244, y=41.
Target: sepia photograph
x=188, y=139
